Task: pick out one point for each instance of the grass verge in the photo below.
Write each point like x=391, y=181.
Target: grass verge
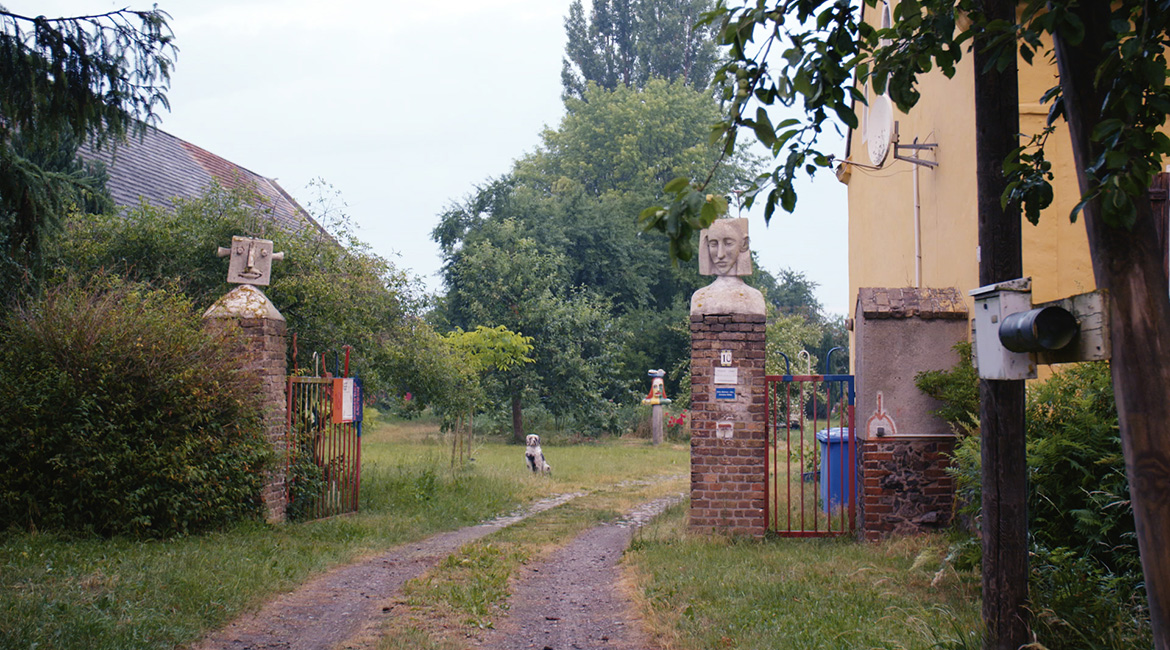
x=727, y=593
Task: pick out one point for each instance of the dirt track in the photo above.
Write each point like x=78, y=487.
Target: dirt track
x=571, y=601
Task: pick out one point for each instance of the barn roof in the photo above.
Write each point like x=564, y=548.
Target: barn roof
x=158, y=167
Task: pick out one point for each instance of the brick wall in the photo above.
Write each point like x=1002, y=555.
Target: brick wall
x=728, y=463
x=905, y=487
x=265, y=352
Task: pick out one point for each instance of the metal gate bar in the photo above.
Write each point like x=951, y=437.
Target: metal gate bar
x=333, y=448
x=811, y=484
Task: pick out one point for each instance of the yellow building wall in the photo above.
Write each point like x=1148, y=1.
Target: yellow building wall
x=881, y=201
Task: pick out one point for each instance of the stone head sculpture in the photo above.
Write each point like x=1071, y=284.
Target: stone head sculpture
x=723, y=248
x=251, y=260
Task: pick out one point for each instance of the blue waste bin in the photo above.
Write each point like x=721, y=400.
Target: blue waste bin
x=836, y=468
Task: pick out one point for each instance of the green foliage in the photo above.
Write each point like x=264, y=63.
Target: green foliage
x=628, y=43
x=306, y=478
x=628, y=139
x=1083, y=605
x=1086, y=575
x=957, y=389
x=68, y=79
x=549, y=250
x=788, y=336
x=816, y=58
x=124, y=417
x=1078, y=491
x=493, y=348
x=332, y=290
x=436, y=373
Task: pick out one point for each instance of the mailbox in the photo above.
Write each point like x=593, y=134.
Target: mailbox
x=993, y=304
x=1011, y=335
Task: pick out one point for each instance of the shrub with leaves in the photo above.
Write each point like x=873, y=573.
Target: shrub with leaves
x=1085, y=585
x=1078, y=491
x=957, y=389
x=123, y=416
x=1079, y=604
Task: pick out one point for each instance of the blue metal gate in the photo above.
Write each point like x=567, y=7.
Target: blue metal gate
x=812, y=470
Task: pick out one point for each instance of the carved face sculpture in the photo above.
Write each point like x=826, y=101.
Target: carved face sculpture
x=724, y=246
x=251, y=260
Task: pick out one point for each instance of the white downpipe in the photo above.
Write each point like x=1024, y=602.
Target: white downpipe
x=917, y=230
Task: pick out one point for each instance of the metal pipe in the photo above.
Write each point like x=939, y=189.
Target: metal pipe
x=917, y=228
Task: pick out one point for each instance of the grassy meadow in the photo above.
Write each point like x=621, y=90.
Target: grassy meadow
x=69, y=592
x=697, y=592
x=715, y=592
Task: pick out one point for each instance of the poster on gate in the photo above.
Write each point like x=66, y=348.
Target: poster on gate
x=347, y=400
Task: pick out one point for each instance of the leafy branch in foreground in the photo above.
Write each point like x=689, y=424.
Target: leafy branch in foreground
x=817, y=56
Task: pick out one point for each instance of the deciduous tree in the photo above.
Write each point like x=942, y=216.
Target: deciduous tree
x=1111, y=91
x=630, y=42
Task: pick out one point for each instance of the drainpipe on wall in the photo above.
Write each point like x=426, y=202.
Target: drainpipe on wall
x=917, y=230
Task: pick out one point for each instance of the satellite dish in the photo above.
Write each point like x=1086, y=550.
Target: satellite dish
x=879, y=127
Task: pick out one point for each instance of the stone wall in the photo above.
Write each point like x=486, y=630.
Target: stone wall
x=905, y=487
x=728, y=441
x=265, y=351
x=902, y=446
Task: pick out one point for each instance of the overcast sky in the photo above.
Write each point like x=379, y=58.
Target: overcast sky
x=404, y=107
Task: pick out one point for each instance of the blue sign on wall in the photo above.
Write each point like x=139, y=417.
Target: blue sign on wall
x=724, y=393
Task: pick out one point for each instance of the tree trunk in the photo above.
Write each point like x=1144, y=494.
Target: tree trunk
x=517, y=420
x=1001, y=403
x=1128, y=264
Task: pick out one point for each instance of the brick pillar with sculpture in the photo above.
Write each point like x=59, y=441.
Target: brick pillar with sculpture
x=728, y=440
x=264, y=351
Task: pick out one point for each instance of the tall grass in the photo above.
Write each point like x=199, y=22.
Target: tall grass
x=720, y=592
x=74, y=592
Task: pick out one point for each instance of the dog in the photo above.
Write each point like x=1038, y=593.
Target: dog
x=534, y=456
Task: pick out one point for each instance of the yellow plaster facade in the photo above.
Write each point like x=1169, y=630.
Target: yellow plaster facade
x=882, y=251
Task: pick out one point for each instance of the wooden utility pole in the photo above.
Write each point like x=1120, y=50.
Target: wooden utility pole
x=1129, y=263
x=1001, y=403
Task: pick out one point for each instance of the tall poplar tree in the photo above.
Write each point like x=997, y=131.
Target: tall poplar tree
x=629, y=42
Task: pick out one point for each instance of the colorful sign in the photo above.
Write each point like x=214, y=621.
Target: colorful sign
x=347, y=400
x=724, y=393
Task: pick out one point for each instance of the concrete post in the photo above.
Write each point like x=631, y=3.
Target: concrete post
x=656, y=424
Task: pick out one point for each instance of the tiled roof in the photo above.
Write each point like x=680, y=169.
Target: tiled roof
x=911, y=302
x=157, y=167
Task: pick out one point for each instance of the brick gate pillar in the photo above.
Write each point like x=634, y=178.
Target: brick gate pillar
x=265, y=353
x=728, y=442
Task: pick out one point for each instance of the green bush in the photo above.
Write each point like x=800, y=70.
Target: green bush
x=1085, y=585
x=957, y=389
x=122, y=416
x=1079, y=604
x=1078, y=494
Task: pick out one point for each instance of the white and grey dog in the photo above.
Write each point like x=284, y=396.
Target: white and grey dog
x=534, y=455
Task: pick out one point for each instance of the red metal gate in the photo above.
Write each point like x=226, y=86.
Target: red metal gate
x=325, y=450
x=811, y=455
